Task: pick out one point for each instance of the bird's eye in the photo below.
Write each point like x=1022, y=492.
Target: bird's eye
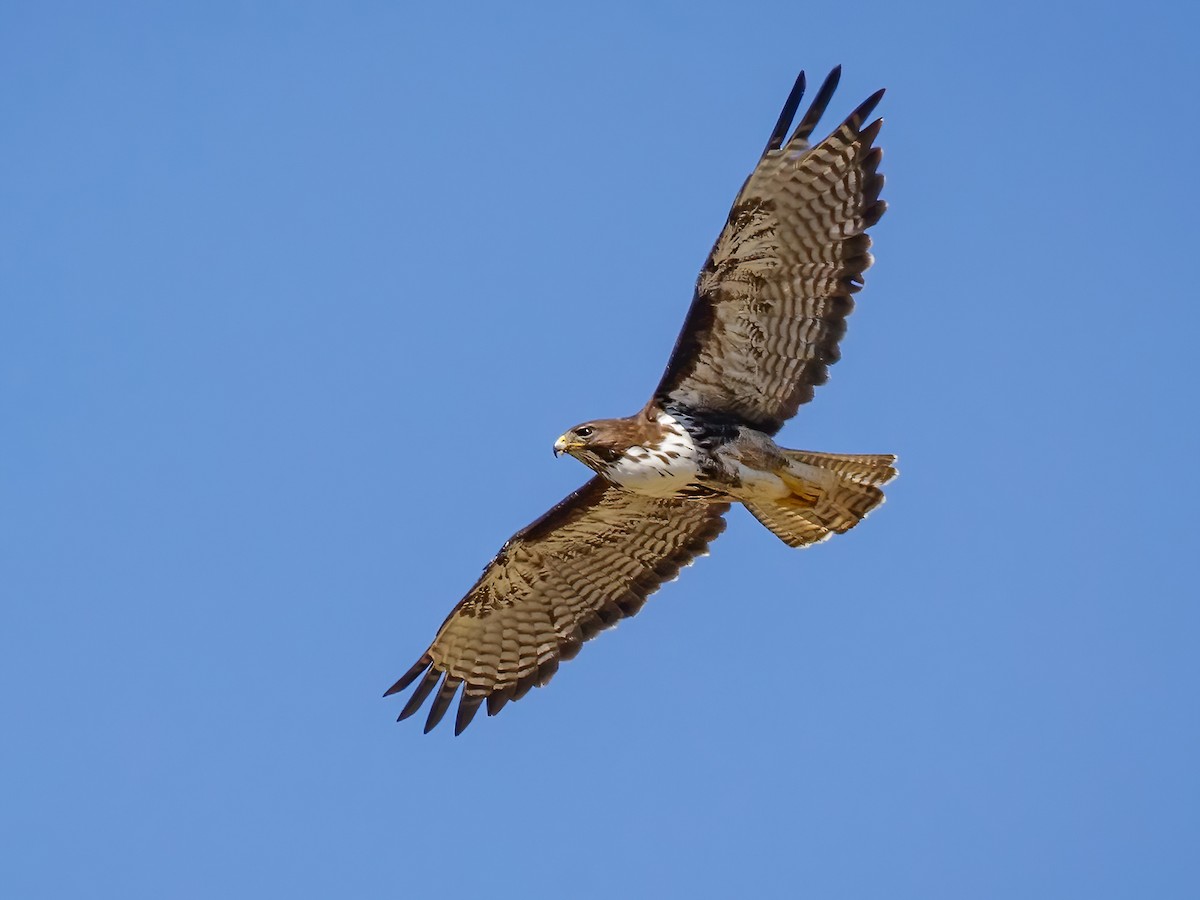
x=585, y=431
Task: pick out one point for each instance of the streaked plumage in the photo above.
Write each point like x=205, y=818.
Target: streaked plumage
x=768, y=312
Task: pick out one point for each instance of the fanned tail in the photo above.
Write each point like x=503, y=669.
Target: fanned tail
x=831, y=493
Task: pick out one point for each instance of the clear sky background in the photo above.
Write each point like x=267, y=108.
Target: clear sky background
x=295, y=299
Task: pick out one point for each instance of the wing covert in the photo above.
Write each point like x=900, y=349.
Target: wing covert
x=587, y=563
x=771, y=300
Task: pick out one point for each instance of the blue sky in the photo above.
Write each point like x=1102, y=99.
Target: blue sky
x=296, y=298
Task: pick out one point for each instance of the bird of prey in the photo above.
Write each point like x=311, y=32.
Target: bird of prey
x=769, y=309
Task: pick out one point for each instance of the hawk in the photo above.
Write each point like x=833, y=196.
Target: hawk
x=769, y=309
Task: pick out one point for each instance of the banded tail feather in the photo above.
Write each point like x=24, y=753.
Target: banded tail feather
x=831, y=493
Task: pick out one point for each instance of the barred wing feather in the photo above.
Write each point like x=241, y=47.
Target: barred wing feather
x=590, y=561
x=772, y=299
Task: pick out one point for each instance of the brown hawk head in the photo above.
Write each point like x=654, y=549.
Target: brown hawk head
x=601, y=442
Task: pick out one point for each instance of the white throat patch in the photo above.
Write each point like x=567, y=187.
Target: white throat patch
x=662, y=471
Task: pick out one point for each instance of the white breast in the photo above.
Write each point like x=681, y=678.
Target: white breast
x=663, y=471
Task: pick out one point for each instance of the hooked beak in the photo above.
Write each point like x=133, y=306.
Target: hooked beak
x=565, y=444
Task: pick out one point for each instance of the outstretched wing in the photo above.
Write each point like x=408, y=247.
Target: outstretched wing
x=772, y=299
x=588, y=562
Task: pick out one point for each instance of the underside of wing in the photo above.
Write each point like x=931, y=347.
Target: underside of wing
x=772, y=299
x=590, y=561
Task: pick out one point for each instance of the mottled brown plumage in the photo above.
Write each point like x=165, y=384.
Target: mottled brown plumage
x=772, y=299
x=587, y=563
x=765, y=322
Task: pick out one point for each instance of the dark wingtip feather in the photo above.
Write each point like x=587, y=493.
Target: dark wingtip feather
x=524, y=685
x=419, y=695
x=467, y=707
x=786, y=115
x=441, y=702
x=873, y=158
x=410, y=676
x=546, y=671
x=874, y=213
x=497, y=700
x=868, y=135
x=864, y=110
x=820, y=102
x=570, y=644
x=872, y=189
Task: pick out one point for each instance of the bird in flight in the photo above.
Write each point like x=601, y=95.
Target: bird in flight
x=769, y=309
